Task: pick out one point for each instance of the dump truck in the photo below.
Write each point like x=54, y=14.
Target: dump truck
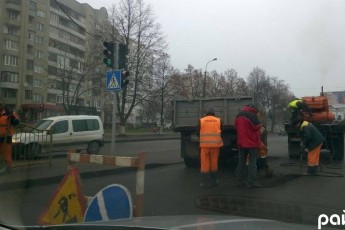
x=186, y=115
x=332, y=130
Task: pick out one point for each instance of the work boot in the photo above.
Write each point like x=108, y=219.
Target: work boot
x=214, y=179
x=206, y=180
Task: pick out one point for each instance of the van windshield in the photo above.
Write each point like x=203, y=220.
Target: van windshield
x=43, y=124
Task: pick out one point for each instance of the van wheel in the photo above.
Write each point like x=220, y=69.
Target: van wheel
x=33, y=151
x=93, y=147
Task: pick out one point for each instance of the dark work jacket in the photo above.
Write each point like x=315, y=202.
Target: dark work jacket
x=311, y=136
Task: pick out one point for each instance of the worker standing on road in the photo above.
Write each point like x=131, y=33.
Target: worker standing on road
x=312, y=139
x=210, y=143
x=8, y=120
x=248, y=128
x=297, y=106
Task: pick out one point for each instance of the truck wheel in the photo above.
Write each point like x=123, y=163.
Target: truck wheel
x=93, y=147
x=191, y=162
x=294, y=150
x=33, y=150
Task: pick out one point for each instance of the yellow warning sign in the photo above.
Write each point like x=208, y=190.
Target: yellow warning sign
x=67, y=205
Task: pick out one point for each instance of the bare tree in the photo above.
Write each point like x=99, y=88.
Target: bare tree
x=75, y=77
x=259, y=85
x=231, y=85
x=135, y=27
x=164, y=89
x=189, y=84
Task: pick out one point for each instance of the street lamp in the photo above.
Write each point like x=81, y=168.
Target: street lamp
x=203, y=93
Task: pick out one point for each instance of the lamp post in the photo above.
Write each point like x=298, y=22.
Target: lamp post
x=203, y=92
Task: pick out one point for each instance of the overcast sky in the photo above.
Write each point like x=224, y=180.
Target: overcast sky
x=299, y=41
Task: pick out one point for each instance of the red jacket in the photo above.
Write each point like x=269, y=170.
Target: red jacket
x=248, y=128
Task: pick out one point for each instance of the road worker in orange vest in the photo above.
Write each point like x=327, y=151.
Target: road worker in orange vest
x=8, y=120
x=210, y=144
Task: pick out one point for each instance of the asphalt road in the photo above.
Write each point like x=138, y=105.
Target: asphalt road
x=173, y=189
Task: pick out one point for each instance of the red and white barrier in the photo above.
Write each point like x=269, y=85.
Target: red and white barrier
x=135, y=162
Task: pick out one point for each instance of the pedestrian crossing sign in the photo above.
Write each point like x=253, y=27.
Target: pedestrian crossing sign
x=113, y=80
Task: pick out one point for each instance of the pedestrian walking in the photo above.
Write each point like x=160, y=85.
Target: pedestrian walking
x=210, y=143
x=248, y=128
x=8, y=120
x=312, y=139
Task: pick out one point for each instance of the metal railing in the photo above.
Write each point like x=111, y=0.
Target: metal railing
x=30, y=146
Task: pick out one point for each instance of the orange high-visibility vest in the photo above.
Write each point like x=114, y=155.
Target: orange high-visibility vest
x=5, y=129
x=210, y=132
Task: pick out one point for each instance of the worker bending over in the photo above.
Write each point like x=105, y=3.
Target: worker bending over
x=312, y=139
x=210, y=144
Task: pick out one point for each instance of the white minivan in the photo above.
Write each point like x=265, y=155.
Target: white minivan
x=81, y=132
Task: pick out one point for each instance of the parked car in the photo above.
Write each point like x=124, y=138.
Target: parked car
x=81, y=132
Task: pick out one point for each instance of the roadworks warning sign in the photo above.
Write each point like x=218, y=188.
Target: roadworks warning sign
x=67, y=205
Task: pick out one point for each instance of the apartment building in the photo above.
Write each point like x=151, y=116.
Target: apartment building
x=41, y=38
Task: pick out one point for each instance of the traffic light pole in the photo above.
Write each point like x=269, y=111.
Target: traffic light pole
x=113, y=128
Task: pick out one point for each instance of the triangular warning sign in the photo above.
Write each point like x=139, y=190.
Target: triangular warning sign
x=67, y=205
x=113, y=83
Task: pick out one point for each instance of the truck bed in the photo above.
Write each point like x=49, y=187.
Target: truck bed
x=187, y=113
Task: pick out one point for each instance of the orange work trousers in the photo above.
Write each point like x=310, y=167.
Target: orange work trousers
x=6, y=152
x=314, y=156
x=209, y=159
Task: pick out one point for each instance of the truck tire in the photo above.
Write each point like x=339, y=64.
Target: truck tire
x=294, y=150
x=191, y=162
x=338, y=152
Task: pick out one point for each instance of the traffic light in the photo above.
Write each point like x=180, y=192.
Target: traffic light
x=124, y=78
x=109, y=54
x=122, y=56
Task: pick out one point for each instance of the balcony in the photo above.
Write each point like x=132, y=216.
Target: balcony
x=14, y=5
x=9, y=85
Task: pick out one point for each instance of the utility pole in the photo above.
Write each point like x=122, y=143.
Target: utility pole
x=115, y=66
x=204, y=88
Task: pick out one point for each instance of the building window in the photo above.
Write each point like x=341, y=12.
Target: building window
x=52, y=70
x=52, y=57
x=37, y=97
x=10, y=60
x=39, y=26
x=9, y=77
x=13, y=15
x=39, y=40
x=39, y=54
x=30, y=64
x=29, y=79
x=28, y=94
x=9, y=93
x=54, y=17
x=38, y=69
x=11, y=45
x=58, y=98
x=11, y=30
x=32, y=6
x=41, y=13
x=51, y=98
x=97, y=104
x=37, y=83
x=31, y=36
